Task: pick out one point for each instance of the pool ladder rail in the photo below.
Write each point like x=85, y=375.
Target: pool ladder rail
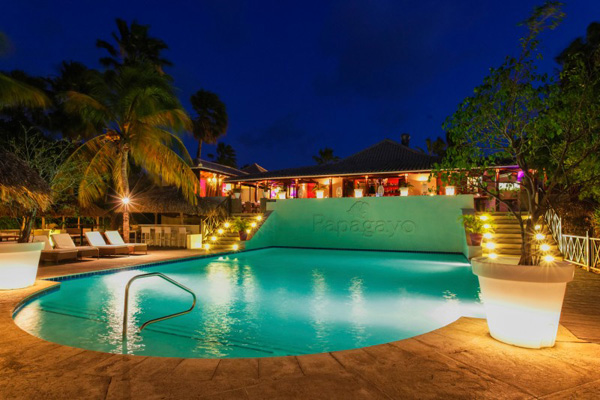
x=145, y=324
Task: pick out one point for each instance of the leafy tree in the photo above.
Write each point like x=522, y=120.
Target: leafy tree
x=326, y=156
x=225, y=155
x=15, y=92
x=211, y=121
x=435, y=147
x=550, y=130
x=137, y=111
x=134, y=46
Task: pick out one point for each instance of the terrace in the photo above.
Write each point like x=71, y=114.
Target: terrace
x=450, y=362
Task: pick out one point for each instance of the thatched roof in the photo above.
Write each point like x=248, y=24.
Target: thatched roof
x=169, y=200
x=21, y=184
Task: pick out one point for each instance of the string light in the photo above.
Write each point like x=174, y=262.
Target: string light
x=493, y=256
x=220, y=231
x=259, y=218
x=213, y=238
x=538, y=227
x=483, y=217
x=487, y=226
x=487, y=235
x=490, y=245
x=247, y=230
x=253, y=224
x=226, y=224
x=548, y=258
x=206, y=246
x=235, y=247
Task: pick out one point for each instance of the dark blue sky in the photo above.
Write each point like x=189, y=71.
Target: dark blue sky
x=299, y=76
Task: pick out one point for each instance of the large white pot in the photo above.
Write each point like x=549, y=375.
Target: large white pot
x=18, y=264
x=522, y=302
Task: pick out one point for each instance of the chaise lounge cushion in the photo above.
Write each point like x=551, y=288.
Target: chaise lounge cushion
x=114, y=237
x=64, y=241
x=51, y=254
x=95, y=239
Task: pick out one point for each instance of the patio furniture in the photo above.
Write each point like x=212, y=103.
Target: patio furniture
x=114, y=237
x=95, y=239
x=51, y=254
x=64, y=241
x=147, y=235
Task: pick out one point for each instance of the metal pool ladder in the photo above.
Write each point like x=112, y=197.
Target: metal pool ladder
x=145, y=324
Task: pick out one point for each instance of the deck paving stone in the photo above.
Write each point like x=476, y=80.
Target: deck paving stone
x=278, y=367
x=460, y=360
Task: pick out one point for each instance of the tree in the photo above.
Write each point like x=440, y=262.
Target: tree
x=225, y=155
x=549, y=129
x=435, y=147
x=326, y=156
x=211, y=121
x=137, y=111
x=15, y=92
x=134, y=46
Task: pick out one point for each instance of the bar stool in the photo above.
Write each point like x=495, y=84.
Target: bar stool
x=182, y=236
x=146, y=235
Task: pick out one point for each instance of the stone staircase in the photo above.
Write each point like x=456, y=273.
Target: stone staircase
x=507, y=235
x=227, y=240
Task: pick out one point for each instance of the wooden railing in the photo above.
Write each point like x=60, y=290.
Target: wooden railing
x=580, y=250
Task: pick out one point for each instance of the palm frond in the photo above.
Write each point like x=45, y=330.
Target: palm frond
x=15, y=93
x=89, y=109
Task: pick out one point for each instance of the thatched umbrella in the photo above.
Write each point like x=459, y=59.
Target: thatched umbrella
x=21, y=184
x=169, y=200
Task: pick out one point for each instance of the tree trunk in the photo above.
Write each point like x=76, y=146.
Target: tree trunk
x=199, y=149
x=27, y=224
x=125, y=188
x=527, y=248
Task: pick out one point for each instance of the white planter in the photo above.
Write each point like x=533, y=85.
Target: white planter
x=358, y=193
x=18, y=264
x=450, y=190
x=237, y=194
x=266, y=194
x=403, y=191
x=522, y=302
x=319, y=193
x=281, y=195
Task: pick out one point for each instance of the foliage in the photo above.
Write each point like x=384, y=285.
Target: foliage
x=239, y=224
x=225, y=155
x=472, y=223
x=211, y=121
x=9, y=223
x=15, y=93
x=134, y=47
x=326, y=156
x=596, y=222
x=549, y=129
x=319, y=186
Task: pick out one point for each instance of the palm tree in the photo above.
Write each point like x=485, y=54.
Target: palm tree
x=134, y=47
x=211, y=120
x=326, y=157
x=226, y=155
x=138, y=111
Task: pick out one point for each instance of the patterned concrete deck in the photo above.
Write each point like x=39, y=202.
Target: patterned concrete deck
x=457, y=361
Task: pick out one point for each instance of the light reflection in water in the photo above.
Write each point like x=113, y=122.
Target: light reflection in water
x=320, y=305
x=358, y=310
x=222, y=280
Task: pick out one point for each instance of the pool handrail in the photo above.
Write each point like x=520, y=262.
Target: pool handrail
x=145, y=324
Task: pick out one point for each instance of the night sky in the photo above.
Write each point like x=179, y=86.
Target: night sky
x=299, y=76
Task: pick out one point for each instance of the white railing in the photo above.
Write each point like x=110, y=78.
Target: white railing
x=580, y=250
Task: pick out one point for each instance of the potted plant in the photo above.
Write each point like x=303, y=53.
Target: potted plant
x=521, y=117
x=404, y=186
x=320, y=190
x=241, y=226
x=237, y=192
x=475, y=227
x=282, y=192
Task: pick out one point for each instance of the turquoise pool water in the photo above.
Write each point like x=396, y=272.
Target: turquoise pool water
x=263, y=303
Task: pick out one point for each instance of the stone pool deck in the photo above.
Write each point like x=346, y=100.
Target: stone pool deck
x=460, y=360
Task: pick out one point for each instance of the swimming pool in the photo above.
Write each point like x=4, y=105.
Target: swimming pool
x=270, y=302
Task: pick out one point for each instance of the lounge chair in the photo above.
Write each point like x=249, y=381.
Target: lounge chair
x=51, y=254
x=114, y=237
x=95, y=239
x=64, y=241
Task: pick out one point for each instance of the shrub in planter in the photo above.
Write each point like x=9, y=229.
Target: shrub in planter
x=474, y=227
x=240, y=225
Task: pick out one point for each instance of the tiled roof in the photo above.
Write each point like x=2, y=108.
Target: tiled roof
x=254, y=169
x=386, y=156
x=210, y=166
